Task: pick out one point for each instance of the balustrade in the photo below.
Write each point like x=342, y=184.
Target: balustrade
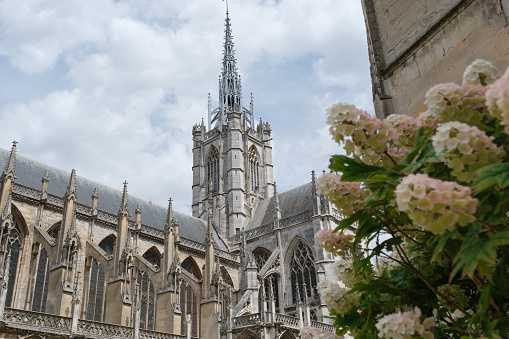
x=246, y=320
x=288, y=320
x=322, y=326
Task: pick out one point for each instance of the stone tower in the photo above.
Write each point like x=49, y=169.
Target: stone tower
x=232, y=158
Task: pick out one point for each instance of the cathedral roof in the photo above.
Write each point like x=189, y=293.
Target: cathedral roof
x=29, y=173
x=292, y=202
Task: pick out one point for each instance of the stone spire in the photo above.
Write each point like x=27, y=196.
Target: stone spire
x=124, y=208
x=9, y=167
x=169, y=215
x=277, y=212
x=70, y=193
x=230, y=89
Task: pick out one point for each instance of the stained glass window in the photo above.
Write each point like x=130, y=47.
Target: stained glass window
x=302, y=272
x=41, y=282
x=261, y=257
x=190, y=266
x=213, y=168
x=96, y=289
x=147, y=302
x=14, y=243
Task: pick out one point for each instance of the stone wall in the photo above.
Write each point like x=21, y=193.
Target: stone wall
x=416, y=44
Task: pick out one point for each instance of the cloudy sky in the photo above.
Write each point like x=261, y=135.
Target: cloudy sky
x=112, y=88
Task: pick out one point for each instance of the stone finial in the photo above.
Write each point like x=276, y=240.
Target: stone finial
x=95, y=194
x=45, y=177
x=124, y=208
x=71, y=188
x=137, y=212
x=169, y=215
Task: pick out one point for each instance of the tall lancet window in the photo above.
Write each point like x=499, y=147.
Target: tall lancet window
x=96, y=291
x=254, y=168
x=303, y=273
x=147, y=301
x=14, y=246
x=213, y=168
x=41, y=281
x=188, y=306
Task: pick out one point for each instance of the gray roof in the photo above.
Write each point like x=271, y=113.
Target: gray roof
x=294, y=201
x=29, y=173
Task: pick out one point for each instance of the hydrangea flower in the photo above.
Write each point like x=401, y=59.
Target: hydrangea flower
x=334, y=242
x=405, y=325
x=452, y=102
x=336, y=297
x=345, y=272
x=405, y=126
x=497, y=100
x=310, y=332
x=480, y=72
x=346, y=195
x=364, y=137
x=427, y=120
x=465, y=149
x=434, y=204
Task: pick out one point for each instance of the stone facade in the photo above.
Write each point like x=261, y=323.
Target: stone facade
x=80, y=259
x=414, y=45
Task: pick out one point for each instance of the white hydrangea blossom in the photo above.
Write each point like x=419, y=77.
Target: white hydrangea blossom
x=309, y=332
x=344, y=270
x=480, y=72
x=336, y=297
x=465, y=149
x=405, y=326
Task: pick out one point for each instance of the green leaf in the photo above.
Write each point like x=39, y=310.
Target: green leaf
x=353, y=170
x=428, y=155
x=489, y=176
x=421, y=139
x=441, y=243
x=478, y=250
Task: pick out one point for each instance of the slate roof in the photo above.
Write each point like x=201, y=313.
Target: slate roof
x=294, y=201
x=29, y=173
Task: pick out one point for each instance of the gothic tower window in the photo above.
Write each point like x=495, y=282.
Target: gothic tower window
x=41, y=281
x=14, y=247
x=261, y=257
x=213, y=168
x=188, y=306
x=96, y=290
x=302, y=272
x=147, y=302
x=254, y=168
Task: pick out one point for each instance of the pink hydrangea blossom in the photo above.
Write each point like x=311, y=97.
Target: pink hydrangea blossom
x=405, y=325
x=365, y=137
x=497, y=100
x=347, y=196
x=406, y=127
x=452, y=102
x=434, y=204
x=465, y=149
x=334, y=242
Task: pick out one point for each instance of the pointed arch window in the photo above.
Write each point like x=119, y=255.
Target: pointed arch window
x=213, y=168
x=14, y=247
x=108, y=243
x=302, y=272
x=147, y=301
x=153, y=256
x=254, y=168
x=190, y=266
x=188, y=306
x=41, y=281
x=96, y=291
x=261, y=257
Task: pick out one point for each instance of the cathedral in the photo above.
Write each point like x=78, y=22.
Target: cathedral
x=80, y=259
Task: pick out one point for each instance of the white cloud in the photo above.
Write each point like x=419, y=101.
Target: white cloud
x=129, y=79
